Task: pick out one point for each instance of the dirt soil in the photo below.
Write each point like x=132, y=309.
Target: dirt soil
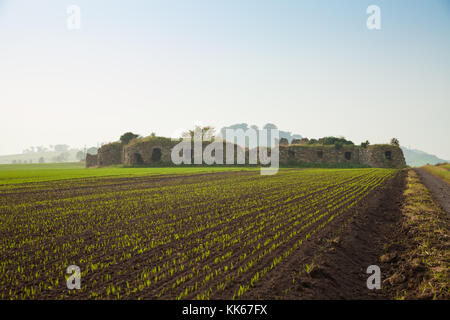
x=440, y=190
x=339, y=256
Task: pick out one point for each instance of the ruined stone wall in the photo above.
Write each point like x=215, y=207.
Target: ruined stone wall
x=158, y=150
x=110, y=154
x=91, y=160
x=383, y=156
x=145, y=152
x=289, y=155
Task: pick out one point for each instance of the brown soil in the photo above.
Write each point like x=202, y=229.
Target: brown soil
x=341, y=253
x=439, y=189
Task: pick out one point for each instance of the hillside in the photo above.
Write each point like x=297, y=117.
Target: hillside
x=48, y=157
x=417, y=158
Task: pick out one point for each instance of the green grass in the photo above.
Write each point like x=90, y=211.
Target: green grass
x=25, y=173
x=439, y=171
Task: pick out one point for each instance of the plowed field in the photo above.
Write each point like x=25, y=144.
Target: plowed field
x=202, y=236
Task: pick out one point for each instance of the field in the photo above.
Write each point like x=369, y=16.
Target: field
x=442, y=171
x=26, y=173
x=168, y=233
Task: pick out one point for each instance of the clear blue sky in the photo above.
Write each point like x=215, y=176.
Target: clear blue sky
x=311, y=67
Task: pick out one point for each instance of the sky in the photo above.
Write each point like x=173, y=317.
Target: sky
x=311, y=67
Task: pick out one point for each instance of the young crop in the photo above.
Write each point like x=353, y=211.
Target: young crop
x=173, y=237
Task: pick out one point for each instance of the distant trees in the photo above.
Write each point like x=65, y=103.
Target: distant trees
x=41, y=160
x=395, y=142
x=41, y=149
x=80, y=155
x=207, y=132
x=63, y=157
x=127, y=137
x=61, y=147
x=37, y=149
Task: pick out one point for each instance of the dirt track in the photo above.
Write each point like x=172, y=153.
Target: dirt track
x=440, y=190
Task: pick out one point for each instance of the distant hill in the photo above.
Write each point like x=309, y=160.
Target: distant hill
x=47, y=157
x=417, y=158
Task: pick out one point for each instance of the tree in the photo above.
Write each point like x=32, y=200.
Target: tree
x=334, y=140
x=365, y=144
x=395, y=142
x=80, y=155
x=207, y=133
x=127, y=137
x=64, y=156
x=41, y=160
x=61, y=147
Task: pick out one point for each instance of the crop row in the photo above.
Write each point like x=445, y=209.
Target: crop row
x=196, y=236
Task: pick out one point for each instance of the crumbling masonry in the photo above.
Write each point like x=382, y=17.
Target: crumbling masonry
x=157, y=151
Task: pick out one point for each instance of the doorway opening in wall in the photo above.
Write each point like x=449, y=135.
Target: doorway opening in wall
x=137, y=159
x=320, y=154
x=156, y=154
x=348, y=155
x=388, y=155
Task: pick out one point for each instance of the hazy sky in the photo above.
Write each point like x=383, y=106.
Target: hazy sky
x=311, y=67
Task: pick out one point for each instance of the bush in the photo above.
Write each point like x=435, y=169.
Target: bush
x=365, y=144
x=127, y=137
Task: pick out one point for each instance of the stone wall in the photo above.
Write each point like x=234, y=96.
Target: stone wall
x=145, y=152
x=158, y=150
x=376, y=156
x=110, y=154
x=91, y=160
x=293, y=154
x=154, y=151
x=383, y=156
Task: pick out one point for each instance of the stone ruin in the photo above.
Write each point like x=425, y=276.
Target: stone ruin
x=156, y=151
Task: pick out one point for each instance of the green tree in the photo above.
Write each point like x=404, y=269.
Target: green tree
x=365, y=144
x=127, y=137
